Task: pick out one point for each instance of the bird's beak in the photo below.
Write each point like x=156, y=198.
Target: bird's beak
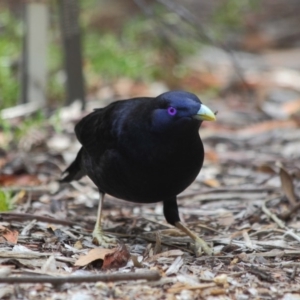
x=205, y=114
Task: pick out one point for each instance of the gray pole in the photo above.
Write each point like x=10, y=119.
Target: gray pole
x=72, y=50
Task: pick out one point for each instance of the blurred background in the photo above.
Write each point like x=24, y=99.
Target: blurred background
x=61, y=59
x=140, y=47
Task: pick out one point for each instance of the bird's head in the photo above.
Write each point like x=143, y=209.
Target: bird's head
x=178, y=109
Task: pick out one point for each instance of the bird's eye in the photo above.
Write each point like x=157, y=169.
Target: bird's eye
x=172, y=111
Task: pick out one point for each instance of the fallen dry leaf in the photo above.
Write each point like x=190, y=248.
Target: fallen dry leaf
x=165, y=254
x=287, y=186
x=78, y=245
x=92, y=255
x=117, y=259
x=23, y=180
x=49, y=265
x=221, y=280
x=10, y=236
x=266, y=126
x=211, y=155
x=226, y=219
x=265, y=168
x=213, y=292
x=212, y=182
x=178, y=287
x=175, y=266
x=112, y=258
x=291, y=107
x=136, y=262
x=199, y=81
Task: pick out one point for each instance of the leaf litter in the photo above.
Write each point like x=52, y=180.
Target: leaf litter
x=244, y=203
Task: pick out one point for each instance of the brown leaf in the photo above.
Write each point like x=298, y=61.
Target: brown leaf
x=169, y=253
x=212, y=182
x=157, y=247
x=221, y=279
x=226, y=219
x=266, y=126
x=136, y=262
x=291, y=107
x=287, y=186
x=10, y=236
x=23, y=179
x=265, y=168
x=199, y=81
x=211, y=155
x=78, y=245
x=117, y=259
x=92, y=255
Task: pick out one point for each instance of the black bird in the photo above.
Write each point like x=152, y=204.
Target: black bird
x=143, y=150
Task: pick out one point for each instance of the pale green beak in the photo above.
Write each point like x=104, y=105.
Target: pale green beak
x=205, y=114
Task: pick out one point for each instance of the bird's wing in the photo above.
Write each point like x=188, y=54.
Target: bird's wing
x=104, y=128
x=94, y=131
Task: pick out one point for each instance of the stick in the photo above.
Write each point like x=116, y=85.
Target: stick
x=28, y=217
x=272, y=216
x=278, y=221
x=150, y=275
x=20, y=110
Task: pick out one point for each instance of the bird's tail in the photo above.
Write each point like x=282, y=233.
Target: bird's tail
x=74, y=171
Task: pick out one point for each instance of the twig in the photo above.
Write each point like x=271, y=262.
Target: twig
x=267, y=231
x=283, y=264
x=247, y=239
x=292, y=234
x=23, y=255
x=28, y=201
x=153, y=240
x=287, y=185
x=292, y=211
x=271, y=215
x=228, y=190
x=20, y=110
x=293, y=275
x=25, y=217
x=279, y=222
x=157, y=247
x=226, y=196
x=41, y=188
x=150, y=275
x=28, y=227
x=261, y=274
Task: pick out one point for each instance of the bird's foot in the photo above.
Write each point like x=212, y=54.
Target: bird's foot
x=102, y=240
x=201, y=245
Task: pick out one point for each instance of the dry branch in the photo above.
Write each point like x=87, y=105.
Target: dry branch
x=150, y=275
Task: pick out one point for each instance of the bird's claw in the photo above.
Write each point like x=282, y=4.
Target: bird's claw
x=100, y=239
x=201, y=245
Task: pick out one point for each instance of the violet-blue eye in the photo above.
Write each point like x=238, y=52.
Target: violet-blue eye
x=172, y=111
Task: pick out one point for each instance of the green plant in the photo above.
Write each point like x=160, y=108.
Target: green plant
x=38, y=120
x=6, y=129
x=10, y=45
x=230, y=15
x=147, y=48
x=5, y=201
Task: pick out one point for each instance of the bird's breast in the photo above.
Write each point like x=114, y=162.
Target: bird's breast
x=150, y=174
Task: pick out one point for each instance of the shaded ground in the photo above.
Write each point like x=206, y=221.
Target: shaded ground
x=244, y=203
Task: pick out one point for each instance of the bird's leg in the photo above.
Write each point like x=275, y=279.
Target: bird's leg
x=172, y=217
x=98, y=236
x=199, y=243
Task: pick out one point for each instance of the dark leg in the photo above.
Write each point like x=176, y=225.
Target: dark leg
x=172, y=217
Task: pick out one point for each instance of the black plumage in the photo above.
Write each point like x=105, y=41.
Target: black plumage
x=143, y=150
